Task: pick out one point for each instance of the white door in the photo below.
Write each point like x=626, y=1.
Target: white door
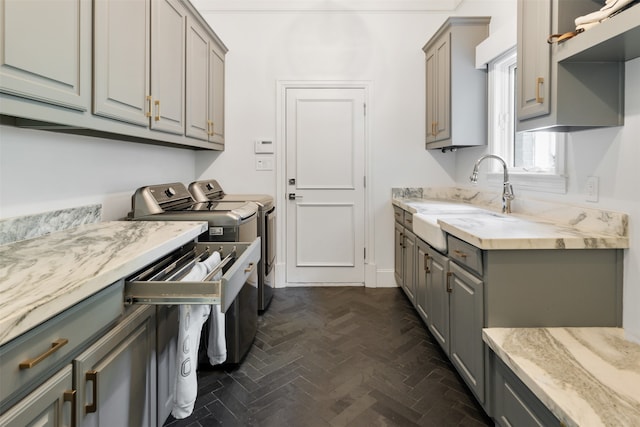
x=325, y=140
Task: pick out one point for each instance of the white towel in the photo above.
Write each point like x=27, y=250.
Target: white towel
x=217, y=344
x=610, y=7
x=192, y=318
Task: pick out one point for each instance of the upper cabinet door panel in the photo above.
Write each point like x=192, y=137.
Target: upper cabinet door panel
x=121, y=54
x=168, y=32
x=198, y=121
x=45, y=48
x=534, y=58
x=216, y=94
x=443, y=88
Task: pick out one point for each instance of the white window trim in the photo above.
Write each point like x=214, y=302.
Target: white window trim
x=501, y=124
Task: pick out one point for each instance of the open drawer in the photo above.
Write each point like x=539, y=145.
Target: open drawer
x=160, y=284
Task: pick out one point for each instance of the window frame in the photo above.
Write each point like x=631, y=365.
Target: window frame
x=501, y=124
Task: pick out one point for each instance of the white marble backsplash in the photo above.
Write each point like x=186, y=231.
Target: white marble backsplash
x=578, y=217
x=36, y=225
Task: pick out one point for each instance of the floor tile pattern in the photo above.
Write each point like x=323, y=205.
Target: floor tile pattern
x=337, y=356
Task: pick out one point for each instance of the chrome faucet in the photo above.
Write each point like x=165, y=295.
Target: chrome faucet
x=507, y=189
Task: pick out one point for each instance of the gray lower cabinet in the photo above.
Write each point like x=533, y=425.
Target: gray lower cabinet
x=50, y=405
x=466, y=319
x=398, y=254
x=468, y=289
x=513, y=403
x=409, y=258
x=438, y=297
x=115, y=378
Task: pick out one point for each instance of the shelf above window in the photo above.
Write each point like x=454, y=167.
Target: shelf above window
x=614, y=39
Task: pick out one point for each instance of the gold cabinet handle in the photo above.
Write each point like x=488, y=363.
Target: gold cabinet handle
x=209, y=123
x=250, y=267
x=449, y=274
x=459, y=254
x=426, y=264
x=55, y=346
x=70, y=396
x=93, y=377
x=539, y=82
x=157, y=103
x=149, y=107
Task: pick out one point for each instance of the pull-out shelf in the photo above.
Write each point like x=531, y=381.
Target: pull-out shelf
x=159, y=283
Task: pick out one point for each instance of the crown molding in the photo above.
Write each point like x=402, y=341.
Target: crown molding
x=344, y=6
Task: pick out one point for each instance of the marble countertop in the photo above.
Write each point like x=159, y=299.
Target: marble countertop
x=585, y=376
x=483, y=227
x=42, y=277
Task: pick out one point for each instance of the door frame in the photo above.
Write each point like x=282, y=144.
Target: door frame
x=281, y=188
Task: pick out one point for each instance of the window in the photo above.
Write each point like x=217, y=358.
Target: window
x=535, y=159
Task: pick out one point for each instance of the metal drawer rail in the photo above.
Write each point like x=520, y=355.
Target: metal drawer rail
x=164, y=287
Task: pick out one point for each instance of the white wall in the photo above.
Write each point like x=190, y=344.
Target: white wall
x=384, y=49
x=613, y=155
x=42, y=171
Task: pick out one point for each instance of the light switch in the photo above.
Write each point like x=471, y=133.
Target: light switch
x=264, y=163
x=592, y=188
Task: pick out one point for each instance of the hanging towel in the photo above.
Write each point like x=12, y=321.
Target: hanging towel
x=217, y=344
x=610, y=7
x=192, y=318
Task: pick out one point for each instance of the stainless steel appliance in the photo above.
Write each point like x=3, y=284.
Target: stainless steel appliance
x=228, y=222
x=210, y=190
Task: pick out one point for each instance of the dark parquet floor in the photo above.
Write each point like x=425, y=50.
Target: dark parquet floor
x=342, y=356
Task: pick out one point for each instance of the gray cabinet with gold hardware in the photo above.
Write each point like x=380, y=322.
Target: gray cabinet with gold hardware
x=51, y=404
x=562, y=95
x=456, y=92
x=205, y=84
x=121, y=73
x=115, y=377
x=405, y=253
x=466, y=289
x=129, y=84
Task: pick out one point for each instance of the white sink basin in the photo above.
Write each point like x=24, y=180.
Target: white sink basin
x=425, y=222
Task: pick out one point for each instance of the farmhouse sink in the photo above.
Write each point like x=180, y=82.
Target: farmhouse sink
x=425, y=222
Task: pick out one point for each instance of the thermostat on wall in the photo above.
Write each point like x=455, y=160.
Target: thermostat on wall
x=264, y=146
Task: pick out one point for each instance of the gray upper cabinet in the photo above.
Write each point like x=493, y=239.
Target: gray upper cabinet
x=205, y=85
x=168, y=34
x=121, y=56
x=534, y=58
x=122, y=73
x=45, y=51
x=562, y=95
x=456, y=92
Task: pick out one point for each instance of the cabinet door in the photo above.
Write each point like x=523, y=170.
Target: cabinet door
x=466, y=320
x=409, y=243
x=421, y=274
x=534, y=58
x=442, y=124
x=50, y=405
x=438, y=298
x=430, y=66
x=398, y=254
x=168, y=32
x=115, y=377
x=197, y=112
x=166, y=346
x=45, y=51
x=216, y=93
x=121, y=58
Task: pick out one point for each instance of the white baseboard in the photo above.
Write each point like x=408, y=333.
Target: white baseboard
x=386, y=279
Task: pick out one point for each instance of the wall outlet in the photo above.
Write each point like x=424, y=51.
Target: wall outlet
x=264, y=163
x=592, y=188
